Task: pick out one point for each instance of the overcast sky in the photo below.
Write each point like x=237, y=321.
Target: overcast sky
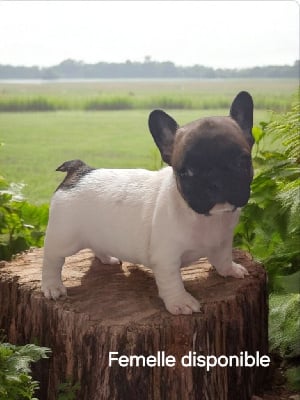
x=230, y=34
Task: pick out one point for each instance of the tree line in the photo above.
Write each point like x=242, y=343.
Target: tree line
x=72, y=69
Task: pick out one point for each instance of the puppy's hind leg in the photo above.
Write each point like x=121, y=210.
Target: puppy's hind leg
x=57, y=247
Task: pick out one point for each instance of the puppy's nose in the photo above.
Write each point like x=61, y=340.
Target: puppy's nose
x=216, y=185
x=215, y=188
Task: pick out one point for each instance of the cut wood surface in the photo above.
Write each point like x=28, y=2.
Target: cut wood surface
x=117, y=309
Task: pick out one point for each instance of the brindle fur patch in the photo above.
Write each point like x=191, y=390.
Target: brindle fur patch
x=206, y=130
x=76, y=170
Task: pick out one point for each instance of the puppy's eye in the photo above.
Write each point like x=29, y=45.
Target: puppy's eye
x=184, y=172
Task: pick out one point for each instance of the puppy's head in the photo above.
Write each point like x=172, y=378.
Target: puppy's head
x=211, y=157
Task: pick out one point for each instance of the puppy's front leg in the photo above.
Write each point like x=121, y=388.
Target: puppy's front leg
x=221, y=259
x=171, y=290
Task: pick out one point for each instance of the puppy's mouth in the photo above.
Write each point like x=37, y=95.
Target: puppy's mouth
x=212, y=200
x=222, y=208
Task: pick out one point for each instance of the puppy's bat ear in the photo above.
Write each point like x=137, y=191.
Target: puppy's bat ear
x=242, y=112
x=163, y=129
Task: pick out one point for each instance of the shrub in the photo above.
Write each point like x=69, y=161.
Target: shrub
x=284, y=324
x=22, y=225
x=270, y=225
x=16, y=382
x=27, y=104
x=270, y=229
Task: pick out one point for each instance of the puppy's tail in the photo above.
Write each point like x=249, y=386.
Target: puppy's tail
x=75, y=170
x=72, y=166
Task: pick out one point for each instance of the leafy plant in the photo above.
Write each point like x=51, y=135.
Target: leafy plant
x=270, y=229
x=270, y=224
x=284, y=324
x=293, y=378
x=67, y=390
x=22, y=224
x=16, y=382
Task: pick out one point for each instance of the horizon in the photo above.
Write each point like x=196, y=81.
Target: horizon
x=144, y=62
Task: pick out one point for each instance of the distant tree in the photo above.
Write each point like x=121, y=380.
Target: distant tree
x=148, y=69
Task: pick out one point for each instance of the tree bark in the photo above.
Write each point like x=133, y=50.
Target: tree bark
x=117, y=309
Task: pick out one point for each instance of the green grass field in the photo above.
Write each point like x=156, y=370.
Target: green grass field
x=144, y=94
x=36, y=143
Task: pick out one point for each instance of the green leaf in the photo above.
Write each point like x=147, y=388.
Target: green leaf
x=293, y=378
x=287, y=283
x=284, y=324
x=15, y=372
x=258, y=133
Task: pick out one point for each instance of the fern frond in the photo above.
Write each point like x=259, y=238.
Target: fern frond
x=286, y=128
x=284, y=324
x=289, y=196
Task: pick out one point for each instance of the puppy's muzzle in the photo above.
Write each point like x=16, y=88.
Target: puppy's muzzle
x=222, y=208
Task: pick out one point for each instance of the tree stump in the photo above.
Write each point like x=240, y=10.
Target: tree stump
x=117, y=309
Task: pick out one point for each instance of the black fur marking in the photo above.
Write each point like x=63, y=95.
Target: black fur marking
x=211, y=157
x=241, y=111
x=214, y=166
x=215, y=172
x=76, y=170
x=163, y=129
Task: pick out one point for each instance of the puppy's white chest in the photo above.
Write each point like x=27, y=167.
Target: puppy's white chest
x=207, y=234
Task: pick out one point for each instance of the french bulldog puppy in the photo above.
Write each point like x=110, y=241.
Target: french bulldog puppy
x=163, y=219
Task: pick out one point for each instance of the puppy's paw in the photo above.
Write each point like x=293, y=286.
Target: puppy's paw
x=109, y=260
x=184, y=303
x=237, y=271
x=54, y=290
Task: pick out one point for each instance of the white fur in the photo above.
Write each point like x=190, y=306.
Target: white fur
x=137, y=216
